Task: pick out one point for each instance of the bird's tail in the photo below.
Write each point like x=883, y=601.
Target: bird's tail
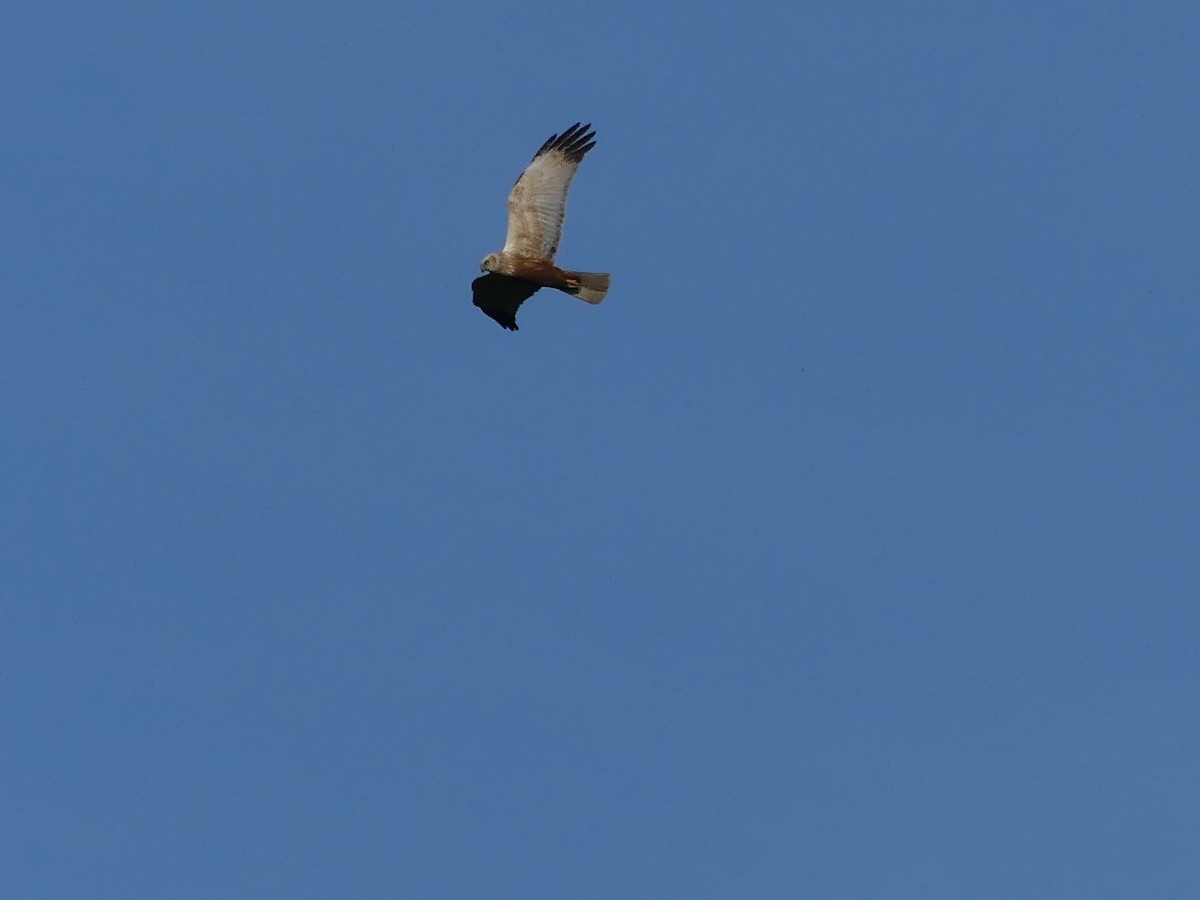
x=589, y=286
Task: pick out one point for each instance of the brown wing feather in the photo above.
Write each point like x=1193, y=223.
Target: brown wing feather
x=500, y=296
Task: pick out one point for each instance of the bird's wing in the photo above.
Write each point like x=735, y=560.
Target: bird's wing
x=501, y=296
x=538, y=202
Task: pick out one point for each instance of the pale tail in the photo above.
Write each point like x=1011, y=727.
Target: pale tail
x=589, y=286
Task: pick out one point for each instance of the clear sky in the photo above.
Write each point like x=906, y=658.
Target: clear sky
x=849, y=549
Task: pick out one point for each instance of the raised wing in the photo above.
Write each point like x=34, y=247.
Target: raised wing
x=501, y=296
x=538, y=202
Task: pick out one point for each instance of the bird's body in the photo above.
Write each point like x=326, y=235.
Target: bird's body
x=540, y=271
x=537, y=207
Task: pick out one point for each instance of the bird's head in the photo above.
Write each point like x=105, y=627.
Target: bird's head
x=490, y=263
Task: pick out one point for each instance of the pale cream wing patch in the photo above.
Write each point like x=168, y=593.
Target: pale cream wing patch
x=537, y=204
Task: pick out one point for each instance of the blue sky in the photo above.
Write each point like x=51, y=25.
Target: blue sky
x=849, y=549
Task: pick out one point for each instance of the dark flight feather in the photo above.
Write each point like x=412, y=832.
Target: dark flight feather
x=500, y=296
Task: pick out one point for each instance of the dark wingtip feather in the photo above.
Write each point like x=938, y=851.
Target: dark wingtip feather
x=573, y=143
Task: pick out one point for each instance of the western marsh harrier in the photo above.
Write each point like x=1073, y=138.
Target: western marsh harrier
x=536, y=209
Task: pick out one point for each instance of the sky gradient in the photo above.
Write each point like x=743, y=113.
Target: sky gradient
x=850, y=548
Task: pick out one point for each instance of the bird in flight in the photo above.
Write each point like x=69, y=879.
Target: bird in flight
x=536, y=209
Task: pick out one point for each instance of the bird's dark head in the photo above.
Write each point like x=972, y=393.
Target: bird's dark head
x=490, y=263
